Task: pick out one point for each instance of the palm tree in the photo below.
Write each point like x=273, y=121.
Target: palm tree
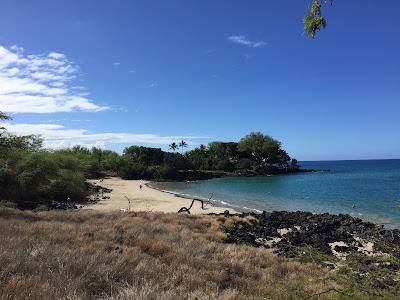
x=183, y=144
x=202, y=148
x=173, y=146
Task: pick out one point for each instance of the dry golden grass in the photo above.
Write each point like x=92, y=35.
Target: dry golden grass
x=87, y=255
x=230, y=221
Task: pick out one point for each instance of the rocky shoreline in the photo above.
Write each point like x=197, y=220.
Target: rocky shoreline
x=285, y=230
x=364, y=253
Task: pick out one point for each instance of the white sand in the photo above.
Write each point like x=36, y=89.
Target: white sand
x=146, y=199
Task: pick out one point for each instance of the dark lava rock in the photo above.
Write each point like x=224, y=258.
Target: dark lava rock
x=382, y=283
x=316, y=230
x=63, y=205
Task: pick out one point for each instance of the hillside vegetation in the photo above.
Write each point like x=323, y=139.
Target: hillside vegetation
x=33, y=177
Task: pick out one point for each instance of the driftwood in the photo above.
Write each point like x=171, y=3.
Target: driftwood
x=129, y=203
x=209, y=200
x=185, y=209
x=203, y=205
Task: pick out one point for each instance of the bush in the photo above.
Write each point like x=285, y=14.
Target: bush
x=36, y=171
x=245, y=163
x=177, y=161
x=167, y=172
x=7, y=204
x=41, y=207
x=7, y=184
x=69, y=184
x=131, y=170
x=225, y=165
x=37, y=178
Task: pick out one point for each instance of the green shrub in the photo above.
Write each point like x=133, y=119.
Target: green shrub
x=40, y=177
x=225, y=165
x=167, y=172
x=245, y=163
x=68, y=184
x=8, y=204
x=177, y=161
x=132, y=170
x=41, y=207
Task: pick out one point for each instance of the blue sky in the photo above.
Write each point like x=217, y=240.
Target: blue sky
x=114, y=73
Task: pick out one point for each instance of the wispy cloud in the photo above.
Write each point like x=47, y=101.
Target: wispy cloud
x=116, y=63
x=40, y=83
x=57, y=136
x=242, y=40
x=153, y=84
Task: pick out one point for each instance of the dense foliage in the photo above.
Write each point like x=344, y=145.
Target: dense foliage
x=313, y=20
x=31, y=176
x=255, y=153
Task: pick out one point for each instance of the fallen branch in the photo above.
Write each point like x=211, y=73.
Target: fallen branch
x=209, y=200
x=185, y=209
x=129, y=203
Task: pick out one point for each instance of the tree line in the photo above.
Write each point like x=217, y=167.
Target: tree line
x=32, y=177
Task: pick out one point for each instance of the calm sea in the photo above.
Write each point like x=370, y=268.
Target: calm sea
x=369, y=189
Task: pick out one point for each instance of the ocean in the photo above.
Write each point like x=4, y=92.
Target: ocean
x=369, y=189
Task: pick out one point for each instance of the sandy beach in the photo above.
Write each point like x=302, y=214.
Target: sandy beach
x=145, y=199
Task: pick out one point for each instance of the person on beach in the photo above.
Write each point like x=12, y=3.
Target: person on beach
x=140, y=187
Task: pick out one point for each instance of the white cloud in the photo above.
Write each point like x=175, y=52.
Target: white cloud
x=56, y=55
x=39, y=83
x=242, y=40
x=153, y=84
x=116, y=63
x=57, y=136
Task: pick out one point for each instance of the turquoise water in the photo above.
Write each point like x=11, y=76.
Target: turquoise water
x=373, y=186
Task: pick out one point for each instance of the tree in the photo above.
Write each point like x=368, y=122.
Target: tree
x=35, y=176
x=263, y=149
x=177, y=161
x=145, y=155
x=2, y=129
x=167, y=172
x=183, y=144
x=9, y=141
x=30, y=143
x=282, y=158
x=3, y=116
x=198, y=157
x=294, y=164
x=68, y=184
x=173, y=146
x=130, y=169
x=313, y=20
x=223, y=155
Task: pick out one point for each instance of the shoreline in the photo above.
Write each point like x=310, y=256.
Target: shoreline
x=386, y=223
x=126, y=195
x=240, y=209
x=154, y=199
x=217, y=203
